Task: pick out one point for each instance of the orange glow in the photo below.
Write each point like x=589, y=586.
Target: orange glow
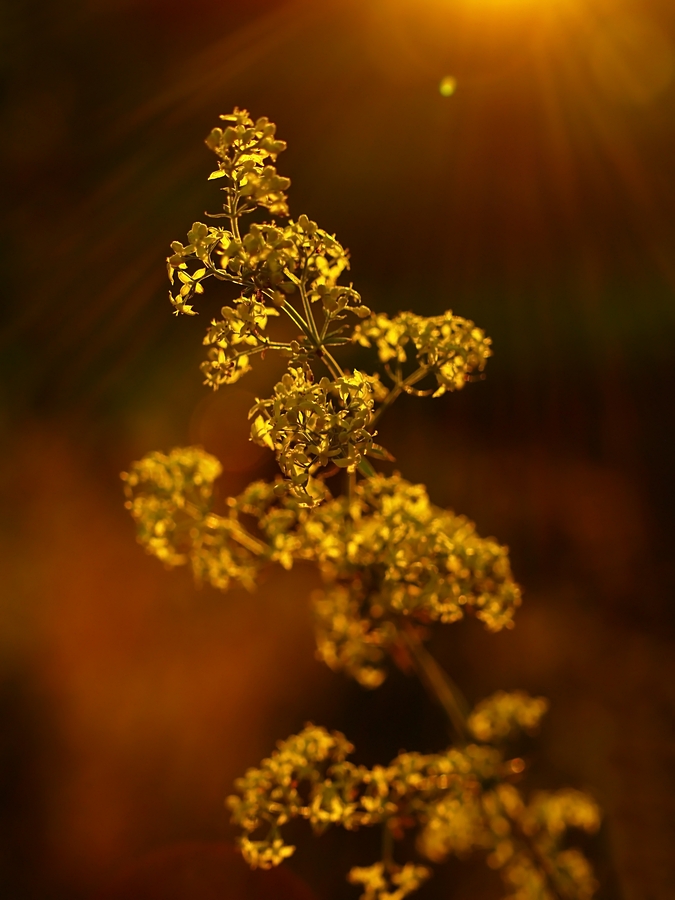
x=220, y=425
x=541, y=192
x=632, y=60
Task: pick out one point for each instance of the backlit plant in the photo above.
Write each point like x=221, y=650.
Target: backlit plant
x=392, y=563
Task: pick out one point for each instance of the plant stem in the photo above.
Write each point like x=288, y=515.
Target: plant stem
x=387, y=845
x=437, y=682
x=397, y=390
x=232, y=213
x=261, y=348
x=545, y=866
x=238, y=533
x=331, y=363
x=297, y=319
x=309, y=315
x=539, y=857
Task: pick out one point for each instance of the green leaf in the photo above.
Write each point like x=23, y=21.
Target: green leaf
x=379, y=452
x=366, y=469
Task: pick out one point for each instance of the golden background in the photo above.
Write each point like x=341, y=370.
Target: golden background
x=536, y=198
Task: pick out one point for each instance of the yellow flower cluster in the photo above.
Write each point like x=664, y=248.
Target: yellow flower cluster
x=231, y=340
x=170, y=498
x=462, y=800
x=243, y=148
x=447, y=346
x=386, y=553
x=524, y=841
x=269, y=796
x=412, y=556
x=311, y=425
x=569, y=871
x=501, y=715
x=388, y=883
x=392, y=562
x=165, y=495
x=349, y=637
x=309, y=777
x=294, y=268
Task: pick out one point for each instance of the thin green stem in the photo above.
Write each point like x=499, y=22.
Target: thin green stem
x=297, y=319
x=437, y=682
x=261, y=348
x=309, y=324
x=267, y=345
x=234, y=528
x=272, y=345
x=397, y=390
x=233, y=201
x=309, y=315
x=238, y=533
x=331, y=363
x=324, y=328
x=224, y=275
x=307, y=306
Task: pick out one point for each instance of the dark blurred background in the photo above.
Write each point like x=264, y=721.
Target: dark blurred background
x=538, y=199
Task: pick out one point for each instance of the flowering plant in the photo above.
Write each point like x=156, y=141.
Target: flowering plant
x=392, y=563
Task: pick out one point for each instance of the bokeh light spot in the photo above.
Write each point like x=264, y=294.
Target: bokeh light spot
x=448, y=86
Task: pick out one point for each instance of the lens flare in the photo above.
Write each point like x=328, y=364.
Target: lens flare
x=448, y=86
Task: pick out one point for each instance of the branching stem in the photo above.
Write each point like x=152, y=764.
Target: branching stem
x=233, y=200
x=238, y=533
x=309, y=315
x=397, y=390
x=297, y=319
x=437, y=682
x=331, y=363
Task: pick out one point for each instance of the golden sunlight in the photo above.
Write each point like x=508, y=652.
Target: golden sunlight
x=632, y=59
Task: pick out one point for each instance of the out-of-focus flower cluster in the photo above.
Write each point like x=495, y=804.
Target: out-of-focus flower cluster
x=460, y=801
x=386, y=552
x=165, y=495
x=170, y=498
x=388, y=882
x=503, y=714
